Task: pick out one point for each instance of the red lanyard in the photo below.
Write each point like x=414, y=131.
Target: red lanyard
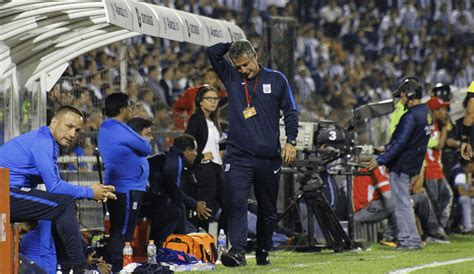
x=249, y=99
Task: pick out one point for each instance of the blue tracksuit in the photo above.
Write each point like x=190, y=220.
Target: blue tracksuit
x=32, y=159
x=43, y=254
x=169, y=207
x=124, y=154
x=259, y=135
x=253, y=146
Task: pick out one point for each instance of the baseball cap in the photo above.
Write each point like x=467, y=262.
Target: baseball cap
x=436, y=103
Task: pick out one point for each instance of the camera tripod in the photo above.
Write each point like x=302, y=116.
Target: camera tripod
x=318, y=206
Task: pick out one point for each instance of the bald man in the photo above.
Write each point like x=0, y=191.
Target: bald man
x=32, y=160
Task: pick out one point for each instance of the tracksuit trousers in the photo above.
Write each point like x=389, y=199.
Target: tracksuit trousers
x=31, y=204
x=124, y=213
x=241, y=171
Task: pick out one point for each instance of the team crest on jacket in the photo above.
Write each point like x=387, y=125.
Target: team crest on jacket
x=267, y=88
x=429, y=124
x=429, y=119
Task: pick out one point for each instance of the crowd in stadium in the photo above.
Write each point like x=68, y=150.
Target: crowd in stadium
x=348, y=53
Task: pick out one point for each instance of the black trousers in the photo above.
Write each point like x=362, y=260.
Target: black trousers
x=241, y=172
x=210, y=189
x=166, y=219
x=32, y=204
x=123, y=217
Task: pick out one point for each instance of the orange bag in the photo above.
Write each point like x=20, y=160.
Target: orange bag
x=200, y=245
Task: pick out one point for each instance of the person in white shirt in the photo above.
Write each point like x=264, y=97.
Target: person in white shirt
x=205, y=127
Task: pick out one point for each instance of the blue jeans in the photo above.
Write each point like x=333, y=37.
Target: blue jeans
x=406, y=224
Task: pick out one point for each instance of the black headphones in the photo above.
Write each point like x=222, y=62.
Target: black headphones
x=411, y=87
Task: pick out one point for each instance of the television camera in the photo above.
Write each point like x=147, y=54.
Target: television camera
x=320, y=143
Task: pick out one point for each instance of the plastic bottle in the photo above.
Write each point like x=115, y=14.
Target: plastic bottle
x=107, y=223
x=203, y=267
x=151, y=252
x=221, y=243
x=127, y=254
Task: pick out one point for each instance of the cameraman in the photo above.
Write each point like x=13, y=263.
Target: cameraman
x=403, y=156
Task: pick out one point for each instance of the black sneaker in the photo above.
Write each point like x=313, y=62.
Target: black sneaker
x=262, y=257
x=233, y=259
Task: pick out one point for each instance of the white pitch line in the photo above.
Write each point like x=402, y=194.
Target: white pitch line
x=435, y=264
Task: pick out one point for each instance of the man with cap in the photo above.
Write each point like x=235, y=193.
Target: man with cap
x=451, y=143
x=400, y=107
x=466, y=147
x=442, y=91
x=403, y=156
x=436, y=185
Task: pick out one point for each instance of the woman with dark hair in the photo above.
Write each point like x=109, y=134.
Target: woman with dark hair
x=205, y=127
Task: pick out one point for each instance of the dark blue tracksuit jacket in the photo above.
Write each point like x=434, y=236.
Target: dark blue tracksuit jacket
x=253, y=145
x=124, y=154
x=32, y=160
x=259, y=135
x=407, y=147
x=172, y=184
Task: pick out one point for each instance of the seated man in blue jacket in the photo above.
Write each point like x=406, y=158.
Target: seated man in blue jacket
x=169, y=208
x=124, y=153
x=32, y=159
x=403, y=156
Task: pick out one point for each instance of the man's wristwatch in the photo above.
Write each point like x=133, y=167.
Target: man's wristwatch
x=291, y=142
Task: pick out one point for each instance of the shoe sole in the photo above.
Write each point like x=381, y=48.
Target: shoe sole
x=231, y=262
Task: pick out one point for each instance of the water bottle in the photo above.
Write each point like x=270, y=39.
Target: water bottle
x=107, y=223
x=151, y=252
x=203, y=267
x=221, y=243
x=127, y=254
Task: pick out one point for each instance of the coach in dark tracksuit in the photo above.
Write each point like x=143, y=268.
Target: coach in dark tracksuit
x=126, y=167
x=403, y=156
x=32, y=159
x=253, y=152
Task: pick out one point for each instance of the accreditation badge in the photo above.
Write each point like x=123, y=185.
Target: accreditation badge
x=249, y=112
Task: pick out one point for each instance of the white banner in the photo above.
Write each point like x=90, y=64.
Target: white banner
x=169, y=23
x=234, y=31
x=193, y=30
x=146, y=20
x=119, y=13
x=214, y=32
x=171, y=26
